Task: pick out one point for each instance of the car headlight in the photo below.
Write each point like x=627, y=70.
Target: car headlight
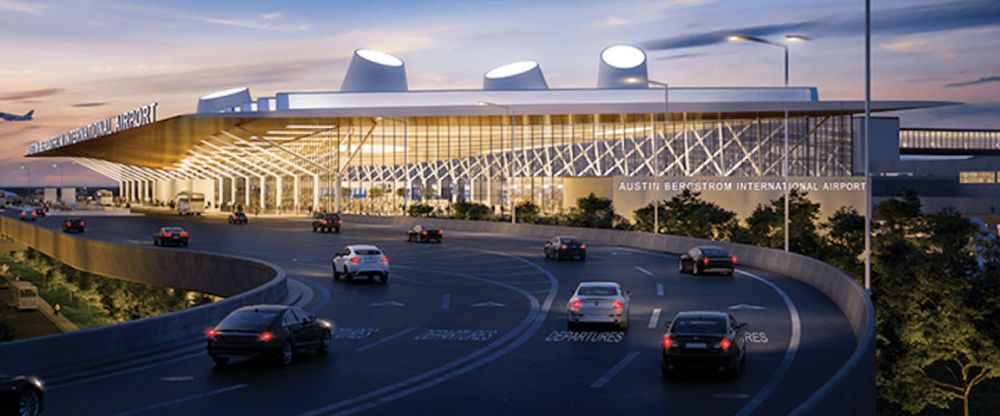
x=323, y=323
x=37, y=382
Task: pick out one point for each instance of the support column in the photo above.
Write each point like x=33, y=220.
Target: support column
x=246, y=192
x=315, y=203
x=277, y=194
x=263, y=202
x=295, y=194
x=232, y=192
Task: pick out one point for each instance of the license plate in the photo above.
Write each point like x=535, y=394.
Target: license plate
x=696, y=345
x=369, y=260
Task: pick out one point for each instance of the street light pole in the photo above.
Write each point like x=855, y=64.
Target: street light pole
x=784, y=159
x=510, y=160
x=868, y=117
x=58, y=166
x=27, y=182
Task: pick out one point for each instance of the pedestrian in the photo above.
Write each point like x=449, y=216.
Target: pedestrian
x=56, y=308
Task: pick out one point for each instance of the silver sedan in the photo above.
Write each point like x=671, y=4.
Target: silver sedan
x=599, y=303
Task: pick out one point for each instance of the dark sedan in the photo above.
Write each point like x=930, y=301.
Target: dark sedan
x=565, y=247
x=268, y=331
x=424, y=234
x=703, y=259
x=28, y=215
x=21, y=395
x=237, y=218
x=170, y=236
x=74, y=225
x=707, y=341
x=327, y=223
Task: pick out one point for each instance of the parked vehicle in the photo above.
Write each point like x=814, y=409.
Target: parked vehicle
x=424, y=234
x=703, y=259
x=104, y=197
x=25, y=296
x=270, y=331
x=189, y=203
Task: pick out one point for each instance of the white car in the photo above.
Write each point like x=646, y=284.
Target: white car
x=361, y=260
x=598, y=302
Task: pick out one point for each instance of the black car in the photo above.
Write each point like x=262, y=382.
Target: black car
x=28, y=215
x=21, y=395
x=170, y=236
x=73, y=225
x=41, y=212
x=327, y=223
x=565, y=247
x=268, y=331
x=704, y=259
x=424, y=234
x=707, y=341
x=237, y=218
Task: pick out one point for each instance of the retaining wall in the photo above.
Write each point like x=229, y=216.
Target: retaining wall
x=242, y=281
x=850, y=391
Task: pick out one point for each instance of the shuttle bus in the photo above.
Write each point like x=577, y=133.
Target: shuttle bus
x=104, y=197
x=25, y=296
x=189, y=203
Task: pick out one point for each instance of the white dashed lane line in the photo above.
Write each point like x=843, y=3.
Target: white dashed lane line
x=647, y=272
x=654, y=318
x=614, y=370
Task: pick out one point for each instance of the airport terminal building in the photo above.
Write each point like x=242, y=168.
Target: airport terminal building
x=377, y=147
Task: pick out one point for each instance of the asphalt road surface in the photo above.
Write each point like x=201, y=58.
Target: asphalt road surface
x=475, y=325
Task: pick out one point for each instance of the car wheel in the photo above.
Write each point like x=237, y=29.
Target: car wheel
x=384, y=279
x=156, y=242
x=286, y=354
x=221, y=362
x=336, y=274
x=29, y=403
x=314, y=229
x=695, y=270
x=324, y=343
x=680, y=266
x=347, y=275
x=583, y=257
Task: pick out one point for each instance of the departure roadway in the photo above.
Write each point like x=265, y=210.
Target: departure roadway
x=476, y=325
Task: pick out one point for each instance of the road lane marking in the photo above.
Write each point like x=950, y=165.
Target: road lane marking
x=746, y=306
x=793, y=347
x=174, y=379
x=614, y=370
x=659, y=289
x=386, y=339
x=654, y=318
x=459, y=335
x=146, y=409
x=445, y=301
x=593, y=337
x=353, y=333
x=387, y=303
x=644, y=270
x=488, y=304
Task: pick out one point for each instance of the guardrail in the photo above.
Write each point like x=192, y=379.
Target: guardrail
x=242, y=281
x=850, y=391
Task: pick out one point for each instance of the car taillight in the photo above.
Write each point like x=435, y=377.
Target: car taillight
x=340, y=222
x=424, y=232
x=705, y=261
x=575, y=304
x=266, y=336
x=168, y=234
x=323, y=222
x=355, y=260
x=667, y=342
x=584, y=245
x=440, y=232
x=69, y=224
x=24, y=214
x=734, y=259
x=562, y=247
x=184, y=234
x=212, y=333
x=618, y=304
x=82, y=223
x=725, y=344
x=384, y=260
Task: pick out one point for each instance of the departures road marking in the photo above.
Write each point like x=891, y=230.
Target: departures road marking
x=659, y=289
x=614, y=370
x=793, y=348
x=592, y=337
x=353, y=333
x=644, y=270
x=654, y=318
x=445, y=301
x=146, y=409
x=386, y=339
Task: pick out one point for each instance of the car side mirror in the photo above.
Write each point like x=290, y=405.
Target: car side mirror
x=666, y=324
x=628, y=293
x=744, y=326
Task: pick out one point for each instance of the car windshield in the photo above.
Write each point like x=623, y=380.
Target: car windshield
x=714, y=252
x=331, y=217
x=367, y=252
x=701, y=325
x=247, y=320
x=571, y=241
x=173, y=230
x=597, y=291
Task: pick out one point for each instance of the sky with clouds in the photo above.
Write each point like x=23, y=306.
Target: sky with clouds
x=74, y=62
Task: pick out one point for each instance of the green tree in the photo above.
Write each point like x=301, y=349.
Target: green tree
x=528, y=212
x=844, y=241
x=6, y=324
x=765, y=224
x=470, y=211
x=420, y=210
x=376, y=192
x=687, y=214
x=596, y=212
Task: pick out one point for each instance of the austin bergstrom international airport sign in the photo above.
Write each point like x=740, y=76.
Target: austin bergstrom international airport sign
x=128, y=120
x=739, y=194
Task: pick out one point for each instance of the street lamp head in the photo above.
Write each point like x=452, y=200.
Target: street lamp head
x=483, y=103
x=634, y=80
x=736, y=38
x=797, y=38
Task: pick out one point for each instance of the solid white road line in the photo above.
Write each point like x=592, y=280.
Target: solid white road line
x=654, y=319
x=793, y=348
x=614, y=370
x=445, y=301
x=659, y=289
x=386, y=339
x=143, y=410
x=644, y=270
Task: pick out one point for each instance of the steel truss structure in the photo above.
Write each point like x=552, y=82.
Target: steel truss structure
x=381, y=165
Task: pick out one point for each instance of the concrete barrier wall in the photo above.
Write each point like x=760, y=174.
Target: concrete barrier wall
x=850, y=391
x=242, y=281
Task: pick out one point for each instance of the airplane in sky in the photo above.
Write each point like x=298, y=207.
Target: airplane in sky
x=15, y=117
